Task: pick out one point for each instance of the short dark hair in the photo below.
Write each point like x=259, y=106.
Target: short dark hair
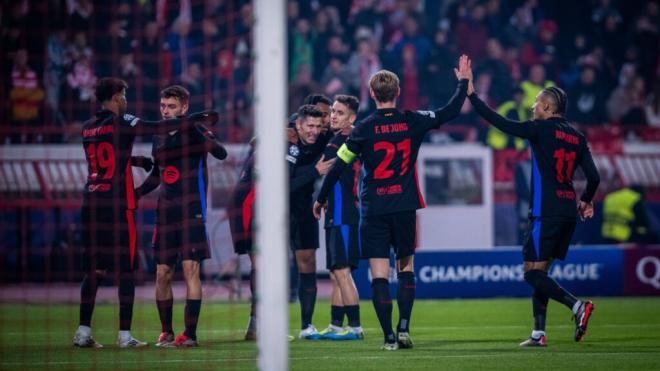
x=176, y=91
x=317, y=98
x=308, y=110
x=558, y=98
x=385, y=85
x=107, y=87
x=350, y=101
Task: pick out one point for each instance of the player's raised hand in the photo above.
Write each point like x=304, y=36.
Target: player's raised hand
x=317, y=209
x=585, y=210
x=207, y=117
x=323, y=166
x=464, y=70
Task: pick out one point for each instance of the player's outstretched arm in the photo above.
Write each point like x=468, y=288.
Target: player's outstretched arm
x=517, y=128
x=145, y=127
x=453, y=107
x=211, y=143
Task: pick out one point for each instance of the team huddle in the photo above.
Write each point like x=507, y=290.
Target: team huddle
x=370, y=194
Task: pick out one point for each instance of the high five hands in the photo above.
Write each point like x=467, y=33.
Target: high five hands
x=464, y=71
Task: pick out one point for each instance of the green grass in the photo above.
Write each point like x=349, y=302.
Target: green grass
x=449, y=334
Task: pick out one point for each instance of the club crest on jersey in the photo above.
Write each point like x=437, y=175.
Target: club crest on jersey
x=171, y=174
x=294, y=150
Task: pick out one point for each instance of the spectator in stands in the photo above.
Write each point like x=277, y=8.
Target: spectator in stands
x=494, y=65
x=302, y=87
x=472, y=34
x=323, y=33
x=626, y=102
x=533, y=86
x=57, y=62
x=438, y=71
x=542, y=49
x=363, y=63
x=625, y=219
x=514, y=110
x=301, y=49
x=652, y=106
x=25, y=99
x=364, y=14
x=193, y=80
x=587, y=101
x=335, y=78
x=82, y=81
x=646, y=37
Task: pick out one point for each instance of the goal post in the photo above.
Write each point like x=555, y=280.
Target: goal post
x=272, y=191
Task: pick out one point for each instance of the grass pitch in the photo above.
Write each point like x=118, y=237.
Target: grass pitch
x=624, y=333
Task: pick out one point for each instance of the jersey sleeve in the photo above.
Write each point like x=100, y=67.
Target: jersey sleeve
x=211, y=143
x=433, y=119
x=353, y=146
x=526, y=129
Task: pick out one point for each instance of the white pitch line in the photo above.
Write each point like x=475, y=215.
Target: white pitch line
x=408, y=355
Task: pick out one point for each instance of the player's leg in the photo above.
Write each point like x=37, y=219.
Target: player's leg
x=251, y=331
x=93, y=264
x=88, y=288
x=305, y=245
x=404, y=230
x=549, y=240
x=166, y=243
x=375, y=240
x=306, y=260
x=128, y=264
x=191, y=269
x=345, y=257
x=336, y=302
x=336, y=310
x=351, y=302
x=405, y=299
x=164, y=303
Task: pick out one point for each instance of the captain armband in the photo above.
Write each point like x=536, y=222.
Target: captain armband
x=345, y=154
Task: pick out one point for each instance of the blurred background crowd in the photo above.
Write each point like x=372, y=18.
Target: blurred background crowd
x=604, y=53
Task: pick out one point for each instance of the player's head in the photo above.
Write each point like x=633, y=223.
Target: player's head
x=322, y=103
x=344, y=112
x=174, y=101
x=384, y=86
x=309, y=123
x=111, y=93
x=550, y=102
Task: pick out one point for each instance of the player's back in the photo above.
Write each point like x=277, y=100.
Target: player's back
x=108, y=143
x=390, y=145
x=557, y=150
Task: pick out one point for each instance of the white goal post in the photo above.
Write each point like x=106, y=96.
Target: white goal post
x=270, y=50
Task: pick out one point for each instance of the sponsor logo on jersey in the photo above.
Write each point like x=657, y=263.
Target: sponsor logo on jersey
x=171, y=175
x=430, y=114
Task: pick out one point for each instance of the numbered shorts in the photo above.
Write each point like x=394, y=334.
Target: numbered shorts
x=109, y=239
x=342, y=246
x=547, y=239
x=380, y=233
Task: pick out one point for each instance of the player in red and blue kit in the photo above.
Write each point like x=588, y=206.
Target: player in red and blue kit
x=557, y=150
x=108, y=224
x=388, y=142
x=341, y=229
x=180, y=232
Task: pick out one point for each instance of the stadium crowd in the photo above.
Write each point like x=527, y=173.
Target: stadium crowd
x=604, y=53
